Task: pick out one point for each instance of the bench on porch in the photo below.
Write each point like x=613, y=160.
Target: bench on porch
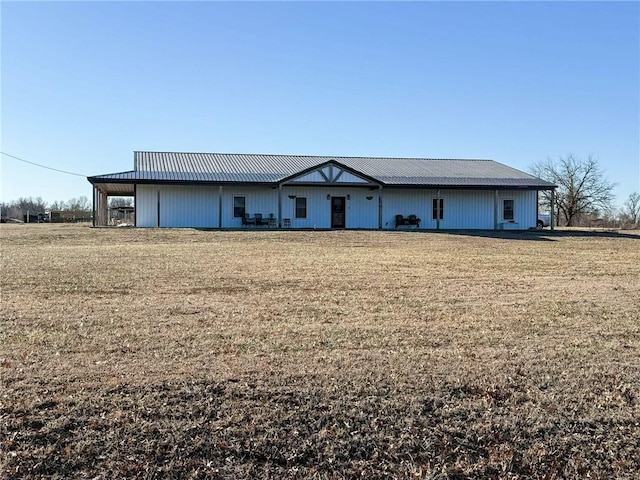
x=408, y=221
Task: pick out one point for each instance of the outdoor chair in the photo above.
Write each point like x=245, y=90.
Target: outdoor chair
x=246, y=220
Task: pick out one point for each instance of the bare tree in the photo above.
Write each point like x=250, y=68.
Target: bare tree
x=115, y=202
x=582, y=186
x=632, y=208
x=57, y=205
x=78, y=204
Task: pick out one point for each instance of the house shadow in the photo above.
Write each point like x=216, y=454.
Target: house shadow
x=545, y=235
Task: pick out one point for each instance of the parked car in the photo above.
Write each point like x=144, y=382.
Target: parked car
x=544, y=220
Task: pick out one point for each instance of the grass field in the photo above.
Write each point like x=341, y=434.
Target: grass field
x=135, y=353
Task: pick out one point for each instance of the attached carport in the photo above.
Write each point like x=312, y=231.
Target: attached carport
x=105, y=187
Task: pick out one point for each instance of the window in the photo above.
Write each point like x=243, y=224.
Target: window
x=301, y=207
x=438, y=209
x=238, y=207
x=507, y=210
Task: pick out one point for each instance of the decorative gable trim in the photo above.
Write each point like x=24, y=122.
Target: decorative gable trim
x=332, y=173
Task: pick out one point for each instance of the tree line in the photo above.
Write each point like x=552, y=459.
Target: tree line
x=17, y=209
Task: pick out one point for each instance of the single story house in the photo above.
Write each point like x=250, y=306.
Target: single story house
x=220, y=190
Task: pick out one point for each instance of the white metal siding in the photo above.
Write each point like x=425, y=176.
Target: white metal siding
x=187, y=206
x=257, y=200
x=197, y=206
x=471, y=209
x=524, y=209
x=405, y=203
x=360, y=212
x=180, y=206
x=147, y=206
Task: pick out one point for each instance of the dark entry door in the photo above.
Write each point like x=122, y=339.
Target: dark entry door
x=338, y=212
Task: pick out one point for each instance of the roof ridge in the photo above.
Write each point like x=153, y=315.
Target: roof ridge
x=315, y=156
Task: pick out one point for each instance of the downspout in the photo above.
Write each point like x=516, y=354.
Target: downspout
x=94, y=207
x=158, y=210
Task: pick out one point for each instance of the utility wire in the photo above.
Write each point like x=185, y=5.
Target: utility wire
x=43, y=166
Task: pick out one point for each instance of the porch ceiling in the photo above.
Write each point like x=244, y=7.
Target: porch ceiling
x=116, y=189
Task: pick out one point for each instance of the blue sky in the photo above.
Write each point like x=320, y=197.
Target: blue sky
x=84, y=84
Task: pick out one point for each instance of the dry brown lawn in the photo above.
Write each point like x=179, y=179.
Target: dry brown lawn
x=143, y=353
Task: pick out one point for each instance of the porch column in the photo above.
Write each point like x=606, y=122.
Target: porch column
x=220, y=207
x=104, y=205
x=135, y=203
x=280, y=206
x=495, y=210
x=552, y=220
x=106, y=209
x=380, y=207
x=438, y=211
x=98, y=208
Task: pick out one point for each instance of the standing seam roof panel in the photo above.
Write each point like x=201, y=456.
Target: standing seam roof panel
x=272, y=168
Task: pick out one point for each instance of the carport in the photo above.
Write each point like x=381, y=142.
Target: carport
x=102, y=190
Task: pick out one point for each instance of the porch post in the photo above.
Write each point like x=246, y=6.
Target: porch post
x=438, y=211
x=220, y=207
x=104, y=204
x=379, y=207
x=552, y=220
x=280, y=205
x=98, y=208
x=495, y=210
x=135, y=202
x=93, y=207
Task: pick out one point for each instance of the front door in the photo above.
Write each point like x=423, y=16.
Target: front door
x=338, y=212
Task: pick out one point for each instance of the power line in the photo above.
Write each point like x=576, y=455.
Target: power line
x=43, y=166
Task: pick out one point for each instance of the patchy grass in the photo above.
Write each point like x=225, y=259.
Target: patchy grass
x=193, y=354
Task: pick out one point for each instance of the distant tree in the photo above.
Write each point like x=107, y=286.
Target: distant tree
x=20, y=207
x=631, y=208
x=78, y=204
x=31, y=205
x=116, y=202
x=57, y=206
x=582, y=186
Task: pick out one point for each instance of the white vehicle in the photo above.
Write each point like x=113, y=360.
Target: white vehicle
x=544, y=220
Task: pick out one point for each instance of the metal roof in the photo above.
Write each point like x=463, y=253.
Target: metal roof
x=272, y=169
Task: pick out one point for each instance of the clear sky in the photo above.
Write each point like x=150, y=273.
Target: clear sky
x=84, y=84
